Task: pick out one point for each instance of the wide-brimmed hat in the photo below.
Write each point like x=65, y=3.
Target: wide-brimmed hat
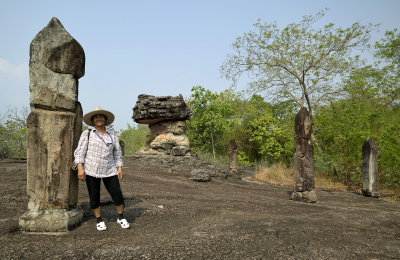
x=87, y=118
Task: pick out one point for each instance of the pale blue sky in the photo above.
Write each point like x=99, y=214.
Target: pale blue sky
x=155, y=47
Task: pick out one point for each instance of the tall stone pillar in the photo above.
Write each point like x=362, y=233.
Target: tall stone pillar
x=56, y=63
x=370, y=168
x=303, y=159
x=233, y=152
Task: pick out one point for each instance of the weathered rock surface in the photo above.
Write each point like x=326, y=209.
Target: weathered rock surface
x=150, y=109
x=304, y=156
x=305, y=196
x=167, y=137
x=56, y=63
x=370, y=168
x=51, y=220
x=179, y=165
x=54, y=127
x=233, y=151
x=50, y=182
x=166, y=118
x=201, y=175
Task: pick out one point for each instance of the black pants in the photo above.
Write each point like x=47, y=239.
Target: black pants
x=112, y=186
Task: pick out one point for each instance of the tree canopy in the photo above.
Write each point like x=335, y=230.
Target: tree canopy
x=299, y=62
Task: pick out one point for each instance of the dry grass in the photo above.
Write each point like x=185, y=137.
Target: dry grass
x=280, y=175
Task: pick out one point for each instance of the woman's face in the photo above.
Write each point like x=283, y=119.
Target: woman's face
x=99, y=120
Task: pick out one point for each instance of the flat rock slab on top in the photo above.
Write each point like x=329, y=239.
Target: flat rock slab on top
x=150, y=109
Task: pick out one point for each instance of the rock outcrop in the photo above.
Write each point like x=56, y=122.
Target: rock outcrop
x=56, y=63
x=167, y=146
x=166, y=117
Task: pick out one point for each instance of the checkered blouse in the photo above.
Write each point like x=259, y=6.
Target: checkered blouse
x=103, y=154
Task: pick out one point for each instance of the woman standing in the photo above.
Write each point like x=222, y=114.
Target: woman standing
x=98, y=157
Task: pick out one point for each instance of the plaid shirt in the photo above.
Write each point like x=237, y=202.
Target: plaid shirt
x=101, y=160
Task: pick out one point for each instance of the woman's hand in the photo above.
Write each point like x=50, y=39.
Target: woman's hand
x=81, y=172
x=120, y=173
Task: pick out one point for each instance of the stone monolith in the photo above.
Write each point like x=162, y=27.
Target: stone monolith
x=233, y=152
x=56, y=63
x=166, y=117
x=303, y=159
x=370, y=168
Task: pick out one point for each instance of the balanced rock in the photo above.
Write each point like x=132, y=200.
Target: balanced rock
x=166, y=118
x=54, y=127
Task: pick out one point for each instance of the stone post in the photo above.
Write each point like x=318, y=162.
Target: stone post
x=56, y=63
x=370, y=168
x=303, y=159
x=233, y=151
x=122, y=145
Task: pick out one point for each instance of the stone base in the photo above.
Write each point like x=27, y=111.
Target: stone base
x=178, y=165
x=235, y=174
x=56, y=220
x=305, y=196
x=368, y=193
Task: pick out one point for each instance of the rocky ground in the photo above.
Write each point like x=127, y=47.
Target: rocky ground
x=173, y=217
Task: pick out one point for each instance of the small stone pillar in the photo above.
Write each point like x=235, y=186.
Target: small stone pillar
x=122, y=145
x=166, y=117
x=56, y=63
x=233, y=151
x=370, y=168
x=303, y=159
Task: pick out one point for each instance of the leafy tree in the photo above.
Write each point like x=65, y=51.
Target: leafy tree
x=367, y=111
x=13, y=133
x=212, y=119
x=389, y=48
x=134, y=138
x=388, y=51
x=254, y=124
x=267, y=130
x=299, y=62
x=269, y=138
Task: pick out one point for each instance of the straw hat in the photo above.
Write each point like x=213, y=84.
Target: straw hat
x=98, y=111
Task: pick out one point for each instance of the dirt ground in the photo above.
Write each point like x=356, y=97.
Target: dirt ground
x=173, y=217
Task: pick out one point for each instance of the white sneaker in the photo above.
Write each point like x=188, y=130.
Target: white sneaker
x=101, y=226
x=123, y=222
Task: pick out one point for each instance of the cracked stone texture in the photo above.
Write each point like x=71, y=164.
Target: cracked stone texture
x=56, y=63
x=54, y=126
x=370, y=168
x=166, y=117
x=51, y=183
x=303, y=163
x=151, y=109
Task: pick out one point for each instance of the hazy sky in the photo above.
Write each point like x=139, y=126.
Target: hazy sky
x=155, y=47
